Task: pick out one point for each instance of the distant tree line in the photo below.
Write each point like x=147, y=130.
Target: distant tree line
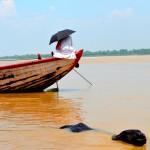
x=26, y=57
x=121, y=52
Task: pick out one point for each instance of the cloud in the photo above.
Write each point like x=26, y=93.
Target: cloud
x=7, y=8
x=128, y=12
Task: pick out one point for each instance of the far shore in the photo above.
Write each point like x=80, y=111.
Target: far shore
x=116, y=59
x=97, y=59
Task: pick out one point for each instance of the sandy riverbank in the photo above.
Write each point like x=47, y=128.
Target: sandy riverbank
x=116, y=59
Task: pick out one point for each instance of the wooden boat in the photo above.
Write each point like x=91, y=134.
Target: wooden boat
x=35, y=75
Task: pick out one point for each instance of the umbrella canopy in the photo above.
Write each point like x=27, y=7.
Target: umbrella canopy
x=61, y=35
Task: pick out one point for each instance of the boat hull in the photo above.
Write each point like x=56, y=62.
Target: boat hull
x=35, y=75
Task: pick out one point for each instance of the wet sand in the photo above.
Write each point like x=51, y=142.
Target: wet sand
x=118, y=100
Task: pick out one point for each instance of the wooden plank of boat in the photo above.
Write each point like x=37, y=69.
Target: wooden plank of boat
x=35, y=75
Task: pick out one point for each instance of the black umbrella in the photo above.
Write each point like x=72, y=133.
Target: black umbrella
x=60, y=35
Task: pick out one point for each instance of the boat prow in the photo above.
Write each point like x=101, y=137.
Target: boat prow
x=35, y=75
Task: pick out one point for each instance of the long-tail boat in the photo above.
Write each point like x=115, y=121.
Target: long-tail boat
x=35, y=75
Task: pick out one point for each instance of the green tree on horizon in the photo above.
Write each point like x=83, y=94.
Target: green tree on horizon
x=121, y=52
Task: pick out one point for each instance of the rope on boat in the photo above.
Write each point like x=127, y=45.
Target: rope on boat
x=83, y=77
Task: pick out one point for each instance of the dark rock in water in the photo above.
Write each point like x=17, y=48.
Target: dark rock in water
x=77, y=127
x=135, y=137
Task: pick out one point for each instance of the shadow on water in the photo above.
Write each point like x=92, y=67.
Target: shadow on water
x=62, y=90
x=69, y=89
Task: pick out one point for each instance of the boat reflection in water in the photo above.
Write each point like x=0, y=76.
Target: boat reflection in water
x=36, y=109
x=32, y=120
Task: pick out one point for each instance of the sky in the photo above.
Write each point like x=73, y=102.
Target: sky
x=27, y=25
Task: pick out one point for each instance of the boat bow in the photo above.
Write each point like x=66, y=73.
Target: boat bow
x=35, y=75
